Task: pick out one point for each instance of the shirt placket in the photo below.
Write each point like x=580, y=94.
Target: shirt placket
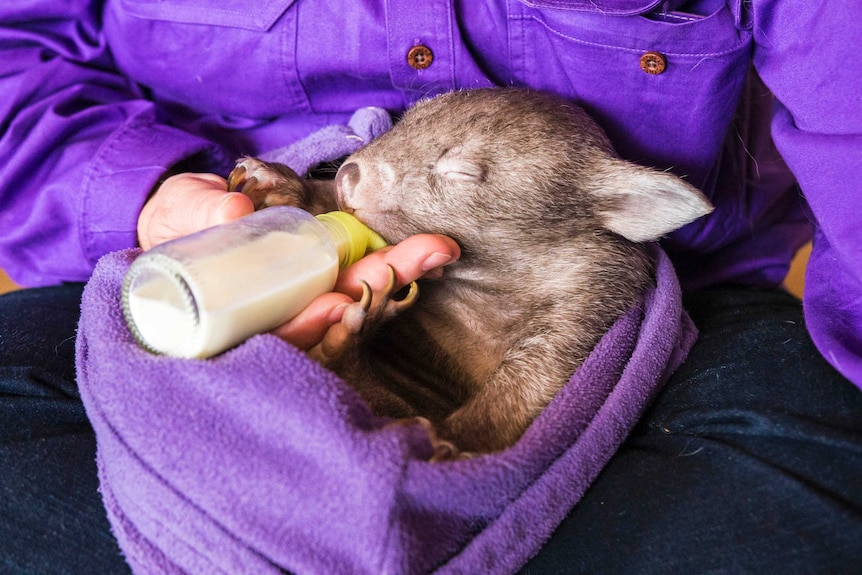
x=419, y=45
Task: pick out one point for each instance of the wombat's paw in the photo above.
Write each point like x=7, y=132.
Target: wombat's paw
x=372, y=310
x=442, y=449
x=343, y=335
x=267, y=184
x=383, y=304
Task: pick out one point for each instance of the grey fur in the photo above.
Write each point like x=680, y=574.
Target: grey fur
x=549, y=221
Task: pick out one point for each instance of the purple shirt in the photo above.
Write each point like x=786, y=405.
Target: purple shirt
x=100, y=98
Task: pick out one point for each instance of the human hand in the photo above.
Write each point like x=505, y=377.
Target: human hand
x=418, y=256
x=186, y=203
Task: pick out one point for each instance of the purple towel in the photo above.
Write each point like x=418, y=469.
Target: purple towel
x=260, y=460
x=332, y=142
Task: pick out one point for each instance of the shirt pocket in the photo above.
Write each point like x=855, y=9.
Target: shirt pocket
x=217, y=56
x=663, y=84
x=228, y=13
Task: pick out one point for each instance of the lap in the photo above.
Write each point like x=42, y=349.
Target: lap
x=748, y=460
x=51, y=514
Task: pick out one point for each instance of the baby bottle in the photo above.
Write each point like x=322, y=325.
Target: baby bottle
x=201, y=294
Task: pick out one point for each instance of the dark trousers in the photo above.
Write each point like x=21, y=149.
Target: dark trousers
x=750, y=460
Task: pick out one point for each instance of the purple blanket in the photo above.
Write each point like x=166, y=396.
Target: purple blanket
x=260, y=461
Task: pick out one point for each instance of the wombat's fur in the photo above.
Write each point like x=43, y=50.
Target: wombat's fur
x=548, y=220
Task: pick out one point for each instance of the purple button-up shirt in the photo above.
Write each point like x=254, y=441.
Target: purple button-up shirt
x=99, y=98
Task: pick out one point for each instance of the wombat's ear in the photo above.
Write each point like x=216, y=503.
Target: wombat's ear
x=643, y=205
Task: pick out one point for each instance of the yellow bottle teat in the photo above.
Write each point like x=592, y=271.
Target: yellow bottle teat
x=352, y=238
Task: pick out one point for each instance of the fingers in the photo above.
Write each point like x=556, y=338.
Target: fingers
x=419, y=256
x=308, y=328
x=415, y=257
x=231, y=206
x=186, y=203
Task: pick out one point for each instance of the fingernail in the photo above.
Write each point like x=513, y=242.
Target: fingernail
x=436, y=260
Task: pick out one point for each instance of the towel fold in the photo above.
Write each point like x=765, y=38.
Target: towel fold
x=260, y=460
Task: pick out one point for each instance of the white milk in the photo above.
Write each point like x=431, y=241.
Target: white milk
x=199, y=295
x=249, y=289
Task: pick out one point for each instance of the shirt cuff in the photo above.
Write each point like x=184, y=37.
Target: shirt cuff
x=122, y=175
x=833, y=310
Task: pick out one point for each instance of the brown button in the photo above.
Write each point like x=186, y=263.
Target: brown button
x=420, y=57
x=653, y=63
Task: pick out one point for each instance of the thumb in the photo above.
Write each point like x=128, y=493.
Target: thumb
x=186, y=203
x=232, y=206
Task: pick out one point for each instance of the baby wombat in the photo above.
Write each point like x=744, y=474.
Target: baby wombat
x=549, y=222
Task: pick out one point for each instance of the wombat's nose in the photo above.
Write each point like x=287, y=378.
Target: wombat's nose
x=347, y=179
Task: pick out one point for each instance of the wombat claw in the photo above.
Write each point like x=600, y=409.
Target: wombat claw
x=392, y=307
x=370, y=311
x=238, y=182
x=268, y=184
x=442, y=449
x=384, y=307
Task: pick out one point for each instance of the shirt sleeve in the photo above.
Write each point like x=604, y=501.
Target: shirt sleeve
x=807, y=54
x=81, y=145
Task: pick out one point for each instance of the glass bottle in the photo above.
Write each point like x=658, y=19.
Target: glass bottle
x=201, y=294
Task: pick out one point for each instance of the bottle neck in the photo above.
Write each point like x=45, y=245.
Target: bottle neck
x=352, y=239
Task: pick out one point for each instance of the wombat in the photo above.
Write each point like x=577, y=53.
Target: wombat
x=550, y=224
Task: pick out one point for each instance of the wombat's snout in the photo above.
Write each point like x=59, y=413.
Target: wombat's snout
x=346, y=181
